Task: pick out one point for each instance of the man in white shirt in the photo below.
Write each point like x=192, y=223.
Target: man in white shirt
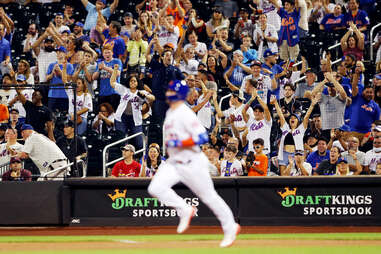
x=45, y=55
x=43, y=152
x=200, y=48
x=11, y=147
x=167, y=31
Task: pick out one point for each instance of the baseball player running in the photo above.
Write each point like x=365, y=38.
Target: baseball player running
x=187, y=164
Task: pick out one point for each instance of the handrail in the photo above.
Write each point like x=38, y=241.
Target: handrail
x=334, y=46
x=371, y=40
x=45, y=175
x=105, y=164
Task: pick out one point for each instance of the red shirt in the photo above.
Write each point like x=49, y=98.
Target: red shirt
x=121, y=169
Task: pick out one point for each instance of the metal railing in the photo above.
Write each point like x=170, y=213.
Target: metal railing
x=58, y=170
x=371, y=40
x=104, y=153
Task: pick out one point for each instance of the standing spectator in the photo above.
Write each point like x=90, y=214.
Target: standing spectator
x=353, y=43
x=112, y=38
x=162, y=73
x=167, y=32
x=59, y=23
x=31, y=38
x=297, y=166
x=68, y=14
x=216, y=22
x=309, y=85
x=173, y=8
x=58, y=99
x=258, y=124
x=78, y=32
x=128, y=115
x=136, y=50
x=16, y=172
x=265, y=36
x=328, y=167
x=14, y=100
x=332, y=106
x=249, y=54
x=269, y=10
x=221, y=41
x=321, y=154
x=127, y=167
x=129, y=25
x=199, y=47
x=292, y=134
x=103, y=72
x=145, y=25
x=92, y=14
x=289, y=32
x=373, y=157
x=5, y=52
x=364, y=110
x=229, y=7
x=45, y=55
x=333, y=22
x=85, y=70
x=37, y=115
x=230, y=166
x=244, y=26
x=237, y=71
x=104, y=122
x=258, y=164
x=356, y=16
x=303, y=22
x=14, y=122
x=354, y=157
x=288, y=103
x=67, y=144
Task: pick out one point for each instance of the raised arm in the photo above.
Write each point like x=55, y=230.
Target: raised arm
x=306, y=118
x=114, y=75
x=343, y=41
x=85, y=2
x=360, y=36
x=337, y=86
x=113, y=6
x=319, y=88
x=274, y=102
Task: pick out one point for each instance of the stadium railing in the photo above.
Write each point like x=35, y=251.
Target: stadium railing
x=105, y=164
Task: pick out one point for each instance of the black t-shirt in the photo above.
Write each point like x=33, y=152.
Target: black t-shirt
x=37, y=116
x=67, y=146
x=326, y=168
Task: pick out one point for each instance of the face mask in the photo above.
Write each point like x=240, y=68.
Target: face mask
x=49, y=49
x=377, y=149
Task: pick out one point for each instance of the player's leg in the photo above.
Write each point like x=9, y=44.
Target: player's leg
x=161, y=188
x=196, y=177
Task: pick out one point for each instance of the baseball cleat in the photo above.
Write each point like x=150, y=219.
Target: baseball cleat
x=185, y=220
x=230, y=236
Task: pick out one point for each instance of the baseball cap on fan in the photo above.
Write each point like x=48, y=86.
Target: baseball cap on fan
x=128, y=147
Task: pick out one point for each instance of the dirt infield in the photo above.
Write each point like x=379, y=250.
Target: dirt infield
x=23, y=231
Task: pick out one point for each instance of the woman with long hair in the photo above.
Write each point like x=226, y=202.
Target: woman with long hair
x=104, y=122
x=353, y=42
x=216, y=69
x=292, y=133
x=216, y=22
x=152, y=161
x=129, y=118
x=23, y=68
x=145, y=25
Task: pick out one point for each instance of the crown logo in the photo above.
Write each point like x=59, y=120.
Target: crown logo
x=117, y=194
x=287, y=192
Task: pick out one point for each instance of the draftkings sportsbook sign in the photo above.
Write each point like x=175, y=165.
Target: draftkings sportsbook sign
x=328, y=204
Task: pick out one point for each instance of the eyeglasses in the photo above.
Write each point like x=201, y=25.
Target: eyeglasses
x=257, y=147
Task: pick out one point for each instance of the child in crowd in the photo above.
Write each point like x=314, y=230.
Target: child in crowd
x=257, y=163
x=230, y=166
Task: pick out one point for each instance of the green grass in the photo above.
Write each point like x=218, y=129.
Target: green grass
x=144, y=238
x=349, y=248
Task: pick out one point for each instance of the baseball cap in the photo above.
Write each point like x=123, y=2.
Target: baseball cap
x=243, y=10
x=3, y=126
x=127, y=34
x=78, y=24
x=26, y=127
x=128, y=14
x=48, y=40
x=14, y=110
x=310, y=70
x=342, y=160
x=239, y=95
x=345, y=128
x=258, y=106
x=62, y=49
x=169, y=45
x=377, y=128
x=377, y=76
x=238, y=51
x=66, y=31
x=299, y=152
x=296, y=115
x=268, y=53
x=102, y=1
x=20, y=77
x=128, y=147
x=69, y=124
x=256, y=63
x=15, y=159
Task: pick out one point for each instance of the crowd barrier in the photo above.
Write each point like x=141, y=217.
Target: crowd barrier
x=301, y=201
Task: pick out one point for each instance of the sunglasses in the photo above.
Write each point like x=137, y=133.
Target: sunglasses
x=218, y=12
x=257, y=147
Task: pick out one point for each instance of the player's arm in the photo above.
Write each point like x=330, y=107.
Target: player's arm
x=50, y=128
x=201, y=139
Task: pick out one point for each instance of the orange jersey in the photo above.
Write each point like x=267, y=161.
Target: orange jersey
x=261, y=162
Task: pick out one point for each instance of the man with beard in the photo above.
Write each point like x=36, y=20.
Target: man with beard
x=45, y=55
x=364, y=110
x=288, y=104
x=322, y=153
x=78, y=32
x=31, y=37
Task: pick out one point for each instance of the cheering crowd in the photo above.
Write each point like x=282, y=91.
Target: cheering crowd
x=263, y=82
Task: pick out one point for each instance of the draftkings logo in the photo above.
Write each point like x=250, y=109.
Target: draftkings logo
x=143, y=206
x=327, y=205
